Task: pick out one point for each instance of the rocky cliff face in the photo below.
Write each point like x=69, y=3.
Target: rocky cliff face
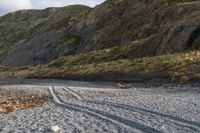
x=36, y=37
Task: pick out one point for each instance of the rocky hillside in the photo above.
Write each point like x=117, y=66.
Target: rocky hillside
x=38, y=36
x=159, y=26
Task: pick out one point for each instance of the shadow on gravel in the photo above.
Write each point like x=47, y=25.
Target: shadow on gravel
x=180, y=121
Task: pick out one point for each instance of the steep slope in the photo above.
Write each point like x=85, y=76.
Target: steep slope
x=37, y=36
x=164, y=26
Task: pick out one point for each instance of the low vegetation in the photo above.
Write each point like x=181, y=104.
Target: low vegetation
x=179, y=67
x=183, y=0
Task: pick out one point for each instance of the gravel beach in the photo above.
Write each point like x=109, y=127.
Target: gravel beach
x=104, y=108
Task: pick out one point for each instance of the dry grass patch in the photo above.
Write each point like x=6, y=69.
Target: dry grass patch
x=11, y=101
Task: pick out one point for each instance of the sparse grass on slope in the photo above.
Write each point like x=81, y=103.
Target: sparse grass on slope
x=183, y=1
x=124, y=51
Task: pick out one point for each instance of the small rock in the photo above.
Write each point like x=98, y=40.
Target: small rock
x=55, y=128
x=124, y=86
x=44, y=129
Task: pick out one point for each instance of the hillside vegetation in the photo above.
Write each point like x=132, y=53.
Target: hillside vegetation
x=179, y=68
x=129, y=40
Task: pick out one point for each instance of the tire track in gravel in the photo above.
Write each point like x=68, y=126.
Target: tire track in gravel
x=116, y=120
x=195, y=126
x=184, y=122
x=75, y=94
x=176, y=120
x=70, y=121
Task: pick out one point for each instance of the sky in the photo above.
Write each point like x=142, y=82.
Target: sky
x=7, y=6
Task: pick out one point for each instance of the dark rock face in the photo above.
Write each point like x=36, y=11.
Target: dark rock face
x=194, y=40
x=37, y=37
